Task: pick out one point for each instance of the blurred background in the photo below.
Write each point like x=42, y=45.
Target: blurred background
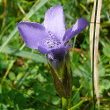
x=25, y=78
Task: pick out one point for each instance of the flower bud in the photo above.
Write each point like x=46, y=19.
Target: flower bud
x=59, y=63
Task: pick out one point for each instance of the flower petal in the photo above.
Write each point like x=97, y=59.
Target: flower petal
x=32, y=33
x=79, y=26
x=44, y=50
x=55, y=22
x=57, y=54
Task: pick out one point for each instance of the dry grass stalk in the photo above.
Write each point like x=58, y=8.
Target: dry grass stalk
x=88, y=1
x=96, y=52
x=97, y=30
x=21, y=9
x=4, y=13
x=92, y=30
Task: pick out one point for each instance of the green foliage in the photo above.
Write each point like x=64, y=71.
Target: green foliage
x=25, y=79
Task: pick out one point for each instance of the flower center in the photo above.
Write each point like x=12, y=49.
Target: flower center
x=52, y=43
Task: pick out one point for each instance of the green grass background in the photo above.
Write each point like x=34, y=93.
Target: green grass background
x=25, y=78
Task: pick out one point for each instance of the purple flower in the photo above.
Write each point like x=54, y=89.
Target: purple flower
x=50, y=37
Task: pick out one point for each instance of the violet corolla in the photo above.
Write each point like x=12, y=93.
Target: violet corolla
x=52, y=39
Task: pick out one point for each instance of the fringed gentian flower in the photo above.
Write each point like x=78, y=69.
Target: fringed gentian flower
x=52, y=40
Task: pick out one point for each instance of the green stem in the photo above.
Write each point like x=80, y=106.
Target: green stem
x=65, y=103
x=93, y=52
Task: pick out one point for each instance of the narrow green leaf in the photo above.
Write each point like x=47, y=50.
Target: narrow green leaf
x=25, y=54
x=8, y=39
x=77, y=105
x=35, y=8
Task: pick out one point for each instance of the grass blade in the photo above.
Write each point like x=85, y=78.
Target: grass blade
x=35, y=8
x=77, y=105
x=25, y=54
x=8, y=39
